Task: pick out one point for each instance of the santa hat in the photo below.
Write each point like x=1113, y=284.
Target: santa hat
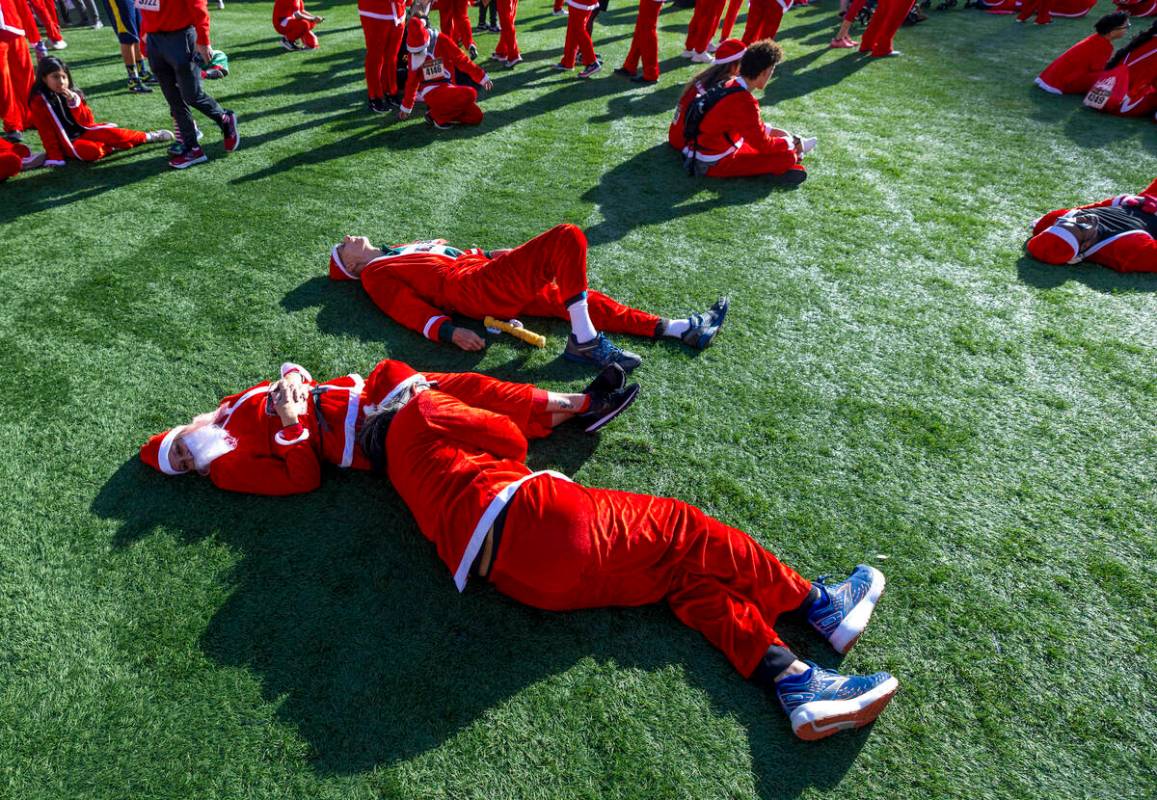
x=417, y=35
x=337, y=269
x=1054, y=245
x=730, y=50
x=389, y=379
x=155, y=452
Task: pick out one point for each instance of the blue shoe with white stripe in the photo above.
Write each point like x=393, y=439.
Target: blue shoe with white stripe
x=843, y=609
x=821, y=702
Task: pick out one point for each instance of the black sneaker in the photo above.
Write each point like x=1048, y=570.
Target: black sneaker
x=706, y=326
x=600, y=352
x=611, y=379
x=606, y=407
x=591, y=69
x=147, y=76
x=644, y=81
x=624, y=73
x=378, y=105
x=430, y=121
x=473, y=52
x=137, y=86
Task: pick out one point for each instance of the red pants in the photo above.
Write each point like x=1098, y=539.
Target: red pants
x=645, y=45
x=729, y=18
x=704, y=21
x=537, y=278
x=1042, y=9
x=748, y=162
x=763, y=20
x=854, y=9
x=523, y=403
x=454, y=21
x=96, y=144
x=566, y=546
x=558, y=4
x=383, y=41
x=886, y=20
x=16, y=79
x=299, y=29
x=578, y=38
x=11, y=158
x=450, y=104
x=507, y=48
x=45, y=11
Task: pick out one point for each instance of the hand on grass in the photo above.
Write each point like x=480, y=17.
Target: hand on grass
x=467, y=340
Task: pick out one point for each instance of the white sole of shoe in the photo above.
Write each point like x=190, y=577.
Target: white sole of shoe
x=601, y=422
x=844, y=637
x=821, y=719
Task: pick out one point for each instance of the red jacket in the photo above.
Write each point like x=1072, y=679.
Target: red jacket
x=1076, y=69
x=11, y=21
x=675, y=136
x=394, y=10
x=418, y=83
x=54, y=137
x=158, y=16
x=283, y=11
x=733, y=121
x=1121, y=252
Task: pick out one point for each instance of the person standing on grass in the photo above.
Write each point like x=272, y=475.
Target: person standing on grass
x=578, y=39
x=16, y=75
x=384, y=27
x=1077, y=69
x=433, y=61
x=293, y=22
x=507, y=52
x=45, y=11
x=763, y=19
x=644, y=44
x=886, y=20
x=272, y=438
x=550, y=543
x=176, y=30
x=701, y=29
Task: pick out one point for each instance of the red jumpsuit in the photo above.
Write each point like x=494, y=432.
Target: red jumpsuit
x=886, y=20
x=566, y=546
x=763, y=19
x=423, y=284
x=431, y=80
x=734, y=140
x=1076, y=69
x=578, y=38
x=645, y=44
x=704, y=21
x=289, y=26
x=1128, y=251
x=94, y=141
x=384, y=27
x=15, y=65
x=11, y=158
x=729, y=17
x=507, y=49
x=45, y=11
x=454, y=21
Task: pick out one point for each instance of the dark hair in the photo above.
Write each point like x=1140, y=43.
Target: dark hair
x=1110, y=22
x=759, y=56
x=46, y=67
x=372, y=438
x=716, y=73
x=1138, y=40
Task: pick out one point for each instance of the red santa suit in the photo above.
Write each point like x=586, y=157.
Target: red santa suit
x=704, y=21
x=420, y=285
x=735, y=142
x=561, y=546
x=645, y=44
x=1126, y=231
x=578, y=38
x=730, y=51
x=454, y=22
x=67, y=130
x=433, y=60
x=12, y=157
x=1135, y=91
x=1139, y=8
x=507, y=49
x=1076, y=69
x=290, y=26
x=763, y=19
x=45, y=11
x=15, y=67
x=383, y=25
x=886, y=20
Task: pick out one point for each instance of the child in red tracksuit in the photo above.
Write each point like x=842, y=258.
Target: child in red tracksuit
x=553, y=544
x=293, y=22
x=434, y=59
x=384, y=27
x=65, y=122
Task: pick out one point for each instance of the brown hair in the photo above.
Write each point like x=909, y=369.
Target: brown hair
x=760, y=56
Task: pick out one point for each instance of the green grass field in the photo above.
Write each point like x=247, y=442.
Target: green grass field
x=897, y=384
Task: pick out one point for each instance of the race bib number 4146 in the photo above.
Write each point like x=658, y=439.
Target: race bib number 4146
x=432, y=70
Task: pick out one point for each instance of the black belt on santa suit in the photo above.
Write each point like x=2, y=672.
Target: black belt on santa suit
x=487, y=555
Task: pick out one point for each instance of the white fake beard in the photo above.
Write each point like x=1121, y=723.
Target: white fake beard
x=208, y=443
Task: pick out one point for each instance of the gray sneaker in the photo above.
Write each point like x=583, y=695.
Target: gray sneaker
x=600, y=352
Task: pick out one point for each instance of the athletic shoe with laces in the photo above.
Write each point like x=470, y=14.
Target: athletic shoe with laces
x=705, y=327
x=288, y=45
x=178, y=145
x=228, y=125
x=609, y=396
x=820, y=702
x=194, y=155
x=59, y=44
x=843, y=609
x=137, y=86
x=147, y=76
x=377, y=105
x=591, y=69
x=159, y=136
x=601, y=352
x=512, y=63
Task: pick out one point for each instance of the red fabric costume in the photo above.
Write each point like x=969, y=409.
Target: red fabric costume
x=1140, y=89
x=566, y=546
x=384, y=27
x=675, y=136
x=454, y=22
x=289, y=26
x=1076, y=69
x=45, y=11
x=734, y=140
x=1126, y=249
x=507, y=49
x=11, y=158
x=95, y=141
x=176, y=16
x=645, y=44
x=15, y=67
x=578, y=38
x=732, y=14
x=763, y=19
x=1140, y=8
x=423, y=283
x=431, y=80
x=886, y=20
x=1042, y=8
x=1070, y=9
x=704, y=21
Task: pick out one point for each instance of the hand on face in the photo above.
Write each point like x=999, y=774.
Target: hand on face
x=289, y=397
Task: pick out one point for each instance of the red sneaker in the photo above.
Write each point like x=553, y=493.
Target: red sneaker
x=229, y=131
x=194, y=155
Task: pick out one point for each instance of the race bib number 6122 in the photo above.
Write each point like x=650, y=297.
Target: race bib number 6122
x=148, y=5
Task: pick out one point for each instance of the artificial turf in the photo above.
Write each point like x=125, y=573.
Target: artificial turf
x=897, y=384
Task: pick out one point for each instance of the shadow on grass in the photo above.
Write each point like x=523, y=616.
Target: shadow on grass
x=1101, y=279
x=359, y=638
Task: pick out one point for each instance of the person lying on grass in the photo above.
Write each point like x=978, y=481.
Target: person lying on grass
x=554, y=544
x=1117, y=233
x=422, y=283
x=272, y=438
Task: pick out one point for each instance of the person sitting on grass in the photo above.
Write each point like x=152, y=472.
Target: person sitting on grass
x=726, y=67
x=553, y=544
x=1077, y=69
x=293, y=22
x=1118, y=233
x=726, y=136
x=272, y=438
x=65, y=122
x=434, y=60
x=15, y=158
x=421, y=284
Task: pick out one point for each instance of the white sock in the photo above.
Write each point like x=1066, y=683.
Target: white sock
x=677, y=327
x=580, y=321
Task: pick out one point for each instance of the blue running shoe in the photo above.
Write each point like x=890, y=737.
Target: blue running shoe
x=600, y=352
x=844, y=608
x=821, y=702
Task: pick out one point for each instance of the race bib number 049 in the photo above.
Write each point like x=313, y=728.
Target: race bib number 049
x=148, y=5
x=432, y=70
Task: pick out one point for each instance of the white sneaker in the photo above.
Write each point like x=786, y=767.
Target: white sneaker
x=687, y=54
x=558, y=13
x=807, y=145
x=59, y=45
x=712, y=47
x=221, y=4
x=96, y=26
x=703, y=58
x=159, y=136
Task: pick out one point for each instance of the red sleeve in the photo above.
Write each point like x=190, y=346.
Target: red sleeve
x=83, y=114
x=459, y=60
x=201, y=21
x=50, y=135
x=402, y=304
x=295, y=469
x=1151, y=189
x=410, y=94
x=749, y=124
x=476, y=428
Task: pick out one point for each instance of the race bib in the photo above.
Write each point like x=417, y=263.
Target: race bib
x=432, y=70
x=1109, y=90
x=148, y=5
x=1098, y=96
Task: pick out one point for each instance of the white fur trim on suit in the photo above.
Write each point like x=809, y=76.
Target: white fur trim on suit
x=351, y=420
x=1046, y=87
x=228, y=415
x=341, y=264
x=375, y=15
x=1112, y=239
x=582, y=6
x=163, y=453
x=710, y=159
x=401, y=387
x=284, y=442
x=430, y=323
x=289, y=367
